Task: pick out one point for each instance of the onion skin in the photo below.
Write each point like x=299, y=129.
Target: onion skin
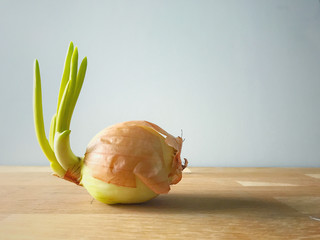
x=131, y=162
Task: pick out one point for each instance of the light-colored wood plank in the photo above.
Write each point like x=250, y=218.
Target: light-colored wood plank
x=314, y=175
x=16, y=169
x=265, y=184
x=209, y=203
x=146, y=226
x=304, y=204
x=3, y=216
x=29, y=179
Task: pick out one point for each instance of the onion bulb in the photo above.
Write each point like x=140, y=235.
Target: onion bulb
x=129, y=162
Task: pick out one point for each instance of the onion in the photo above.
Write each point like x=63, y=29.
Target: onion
x=129, y=162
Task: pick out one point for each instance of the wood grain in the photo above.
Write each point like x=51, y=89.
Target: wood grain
x=209, y=203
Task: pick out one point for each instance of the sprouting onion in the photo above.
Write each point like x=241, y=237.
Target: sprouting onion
x=129, y=162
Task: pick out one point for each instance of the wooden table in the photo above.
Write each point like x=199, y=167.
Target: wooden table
x=209, y=203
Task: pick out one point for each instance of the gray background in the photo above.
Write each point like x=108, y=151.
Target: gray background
x=241, y=78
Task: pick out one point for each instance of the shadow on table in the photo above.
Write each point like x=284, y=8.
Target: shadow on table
x=193, y=203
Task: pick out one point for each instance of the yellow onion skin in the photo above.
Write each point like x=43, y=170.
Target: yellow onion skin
x=131, y=162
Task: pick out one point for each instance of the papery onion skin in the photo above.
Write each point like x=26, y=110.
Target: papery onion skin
x=131, y=162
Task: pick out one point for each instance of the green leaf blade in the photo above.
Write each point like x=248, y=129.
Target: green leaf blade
x=39, y=124
x=66, y=73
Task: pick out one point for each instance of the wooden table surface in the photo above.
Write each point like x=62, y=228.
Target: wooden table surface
x=209, y=203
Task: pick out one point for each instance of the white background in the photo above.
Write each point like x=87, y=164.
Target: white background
x=240, y=78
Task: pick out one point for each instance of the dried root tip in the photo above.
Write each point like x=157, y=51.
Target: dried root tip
x=185, y=163
x=73, y=175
